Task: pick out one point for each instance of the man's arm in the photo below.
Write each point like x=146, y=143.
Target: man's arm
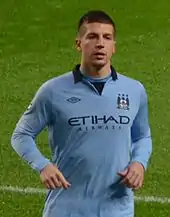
x=133, y=176
x=141, y=134
x=31, y=123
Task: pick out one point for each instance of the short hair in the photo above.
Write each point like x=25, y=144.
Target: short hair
x=96, y=16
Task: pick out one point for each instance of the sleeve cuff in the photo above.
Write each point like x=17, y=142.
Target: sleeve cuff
x=38, y=166
x=143, y=163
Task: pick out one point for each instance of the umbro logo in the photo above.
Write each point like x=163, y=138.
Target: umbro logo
x=73, y=99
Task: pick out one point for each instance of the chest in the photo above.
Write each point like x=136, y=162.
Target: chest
x=116, y=107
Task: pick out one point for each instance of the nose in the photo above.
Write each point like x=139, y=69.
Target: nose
x=100, y=42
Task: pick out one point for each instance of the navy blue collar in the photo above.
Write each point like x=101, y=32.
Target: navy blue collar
x=78, y=75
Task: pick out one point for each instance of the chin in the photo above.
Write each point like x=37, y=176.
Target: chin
x=99, y=64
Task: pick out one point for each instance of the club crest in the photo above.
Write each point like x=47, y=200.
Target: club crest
x=123, y=101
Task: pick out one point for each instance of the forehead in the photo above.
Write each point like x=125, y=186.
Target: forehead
x=97, y=28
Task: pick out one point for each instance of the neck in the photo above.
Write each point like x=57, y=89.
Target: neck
x=95, y=72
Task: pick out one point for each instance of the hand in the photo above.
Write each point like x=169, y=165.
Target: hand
x=133, y=176
x=53, y=178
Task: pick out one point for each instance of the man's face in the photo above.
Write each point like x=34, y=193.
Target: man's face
x=97, y=44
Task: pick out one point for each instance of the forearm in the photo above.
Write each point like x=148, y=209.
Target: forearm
x=26, y=148
x=141, y=151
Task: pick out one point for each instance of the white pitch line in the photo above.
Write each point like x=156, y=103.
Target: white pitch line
x=29, y=190
x=153, y=199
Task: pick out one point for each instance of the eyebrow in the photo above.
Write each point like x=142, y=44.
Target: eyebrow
x=94, y=33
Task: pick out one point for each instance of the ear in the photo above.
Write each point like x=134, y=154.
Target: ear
x=78, y=44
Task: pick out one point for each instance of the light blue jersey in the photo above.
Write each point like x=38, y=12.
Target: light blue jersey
x=92, y=137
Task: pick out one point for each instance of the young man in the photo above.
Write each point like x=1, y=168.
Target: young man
x=98, y=129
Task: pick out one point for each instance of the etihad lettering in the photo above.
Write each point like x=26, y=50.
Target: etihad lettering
x=97, y=120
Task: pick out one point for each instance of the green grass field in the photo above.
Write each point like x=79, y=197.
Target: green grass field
x=37, y=43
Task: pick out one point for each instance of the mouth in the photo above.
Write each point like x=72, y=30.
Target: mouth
x=99, y=55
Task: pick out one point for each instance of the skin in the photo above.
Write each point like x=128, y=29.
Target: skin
x=133, y=176
x=52, y=178
x=96, y=42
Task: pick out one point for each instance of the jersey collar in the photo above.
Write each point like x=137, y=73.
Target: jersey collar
x=78, y=75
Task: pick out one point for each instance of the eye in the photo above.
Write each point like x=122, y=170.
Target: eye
x=109, y=37
x=91, y=36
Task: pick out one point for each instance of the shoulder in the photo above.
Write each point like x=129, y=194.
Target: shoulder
x=57, y=82
x=131, y=83
x=46, y=89
x=135, y=87
x=64, y=79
